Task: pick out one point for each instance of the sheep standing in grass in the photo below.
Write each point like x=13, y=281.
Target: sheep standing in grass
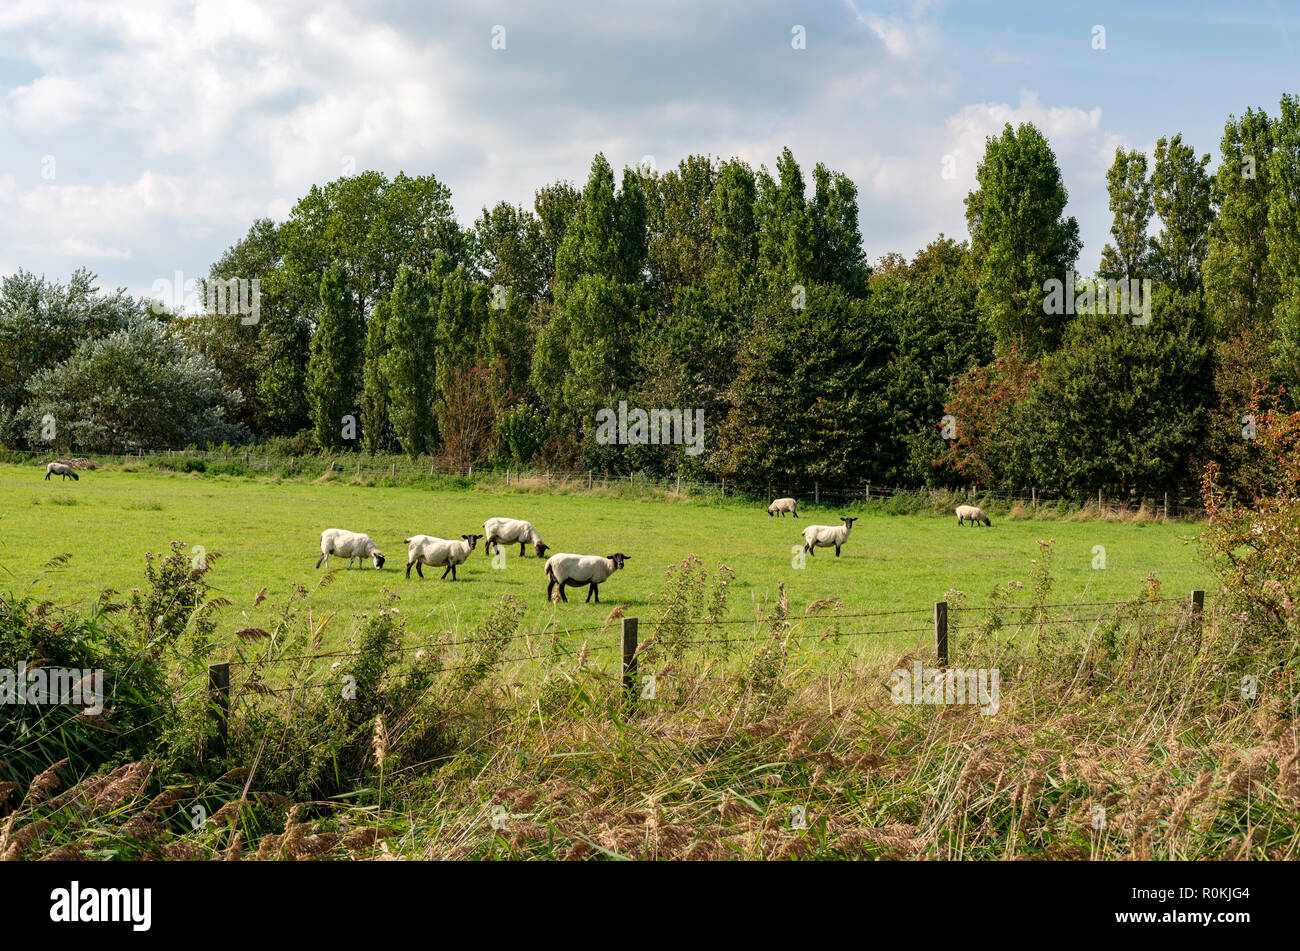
x=510, y=531
x=438, y=553
x=573, y=570
x=338, y=541
x=61, y=469
x=826, y=536
x=781, y=506
x=972, y=513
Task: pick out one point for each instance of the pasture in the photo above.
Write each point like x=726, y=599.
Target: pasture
x=267, y=532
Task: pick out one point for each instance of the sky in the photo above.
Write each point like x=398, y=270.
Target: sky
x=142, y=139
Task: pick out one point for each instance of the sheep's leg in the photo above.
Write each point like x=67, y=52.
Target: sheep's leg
x=449, y=569
x=419, y=568
x=593, y=589
x=408, y=571
x=837, y=551
x=521, y=549
x=563, y=597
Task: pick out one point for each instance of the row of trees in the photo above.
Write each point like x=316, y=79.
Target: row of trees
x=1128, y=403
x=384, y=325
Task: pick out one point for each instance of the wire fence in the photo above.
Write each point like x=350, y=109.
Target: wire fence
x=922, y=622
x=815, y=491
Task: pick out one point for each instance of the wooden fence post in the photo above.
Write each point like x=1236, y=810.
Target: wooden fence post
x=679, y=483
x=589, y=478
x=1198, y=607
x=1166, y=505
x=817, y=493
x=868, y=491
x=941, y=631
x=629, y=658
x=1099, y=501
x=219, y=704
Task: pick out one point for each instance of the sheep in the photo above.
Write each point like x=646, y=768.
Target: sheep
x=573, y=570
x=438, y=552
x=60, y=469
x=974, y=513
x=338, y=541
x=511, y=530
x=824, y=536
x=781, y=506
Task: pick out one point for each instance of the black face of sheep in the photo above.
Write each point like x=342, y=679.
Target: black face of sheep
x=541, y=548
x=848, y=522
x=618, y=558
x=473, y=541
x=379, y=560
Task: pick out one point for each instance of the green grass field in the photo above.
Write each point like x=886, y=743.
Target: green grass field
x=268, y=535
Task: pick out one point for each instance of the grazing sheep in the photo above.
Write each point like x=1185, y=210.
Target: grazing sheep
x=974, y=513
x=781, y=506
x=511, y=530
x=438, y=552
x=573, y=570
x=59, y=469
x=824, y=536
x=338, y=541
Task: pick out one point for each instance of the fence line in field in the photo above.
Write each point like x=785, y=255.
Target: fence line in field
x=836, y=491
x=1190, y=607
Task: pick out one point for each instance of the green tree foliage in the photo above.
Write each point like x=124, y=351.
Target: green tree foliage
x=334, y=368
x=376, y=428
x=409, y=364
x=41, y=323
x=509, y=251
x=1284, y=233
x=234, y=346
x=1118, y=407
x=557, y=207
x=138, y=387
x=930, y=306
x=1132, y=207
x=809, y=397
x=734, y=227
x=1240, y=286
x=679, y=225
x=1020, y=238
x=837, y=256
x=1180, y=192
x=785, y=238
x=1240, y=290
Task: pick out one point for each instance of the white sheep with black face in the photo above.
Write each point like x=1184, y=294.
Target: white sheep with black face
x=781, y=506
x=355, y=545
x=973, y=514
x=435, y=552
x=568, y=570
x=827, y=536
x=511, y=531
x=61, y=469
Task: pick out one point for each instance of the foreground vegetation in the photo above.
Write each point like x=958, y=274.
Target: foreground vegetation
x=1129, y=737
